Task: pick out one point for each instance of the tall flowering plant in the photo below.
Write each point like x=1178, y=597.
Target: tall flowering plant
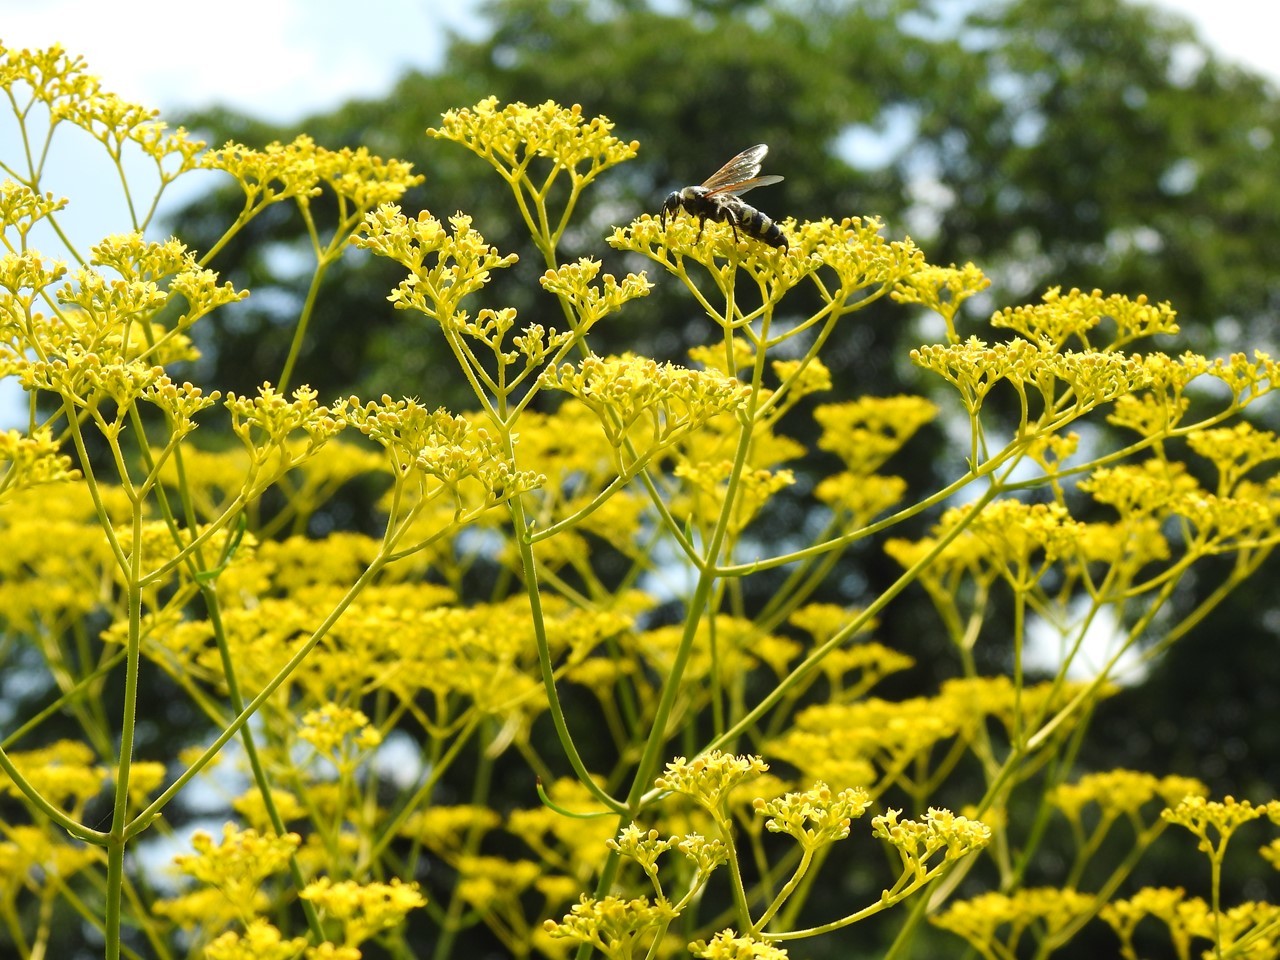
x=690, y=761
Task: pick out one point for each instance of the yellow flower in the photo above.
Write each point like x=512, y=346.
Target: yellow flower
x=240, y=864
x=727, y=945
x=708, y=779
x=462, y=261
x=817, y=817
x=654, y=404
x=1214, y=821
x=1047, y=911
x=445, y=830
x=614, y=926
x=1074, y=314
x=261, y=941
x=363, y=909
x=32, y=461
x=510, y=137
x=942, y=290
x=331, y=728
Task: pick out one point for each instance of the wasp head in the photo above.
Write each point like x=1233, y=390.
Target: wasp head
x=669, y=207
x=679, y=200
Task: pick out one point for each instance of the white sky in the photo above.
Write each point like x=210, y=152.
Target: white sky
x=278, y=59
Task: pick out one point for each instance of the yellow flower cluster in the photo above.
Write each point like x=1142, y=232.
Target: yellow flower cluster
x=919, y=841
x=260, y=941
x=59, y=81
x=238, y=866
x=1248, y=929
x=816, y=817
x=644, y=847
x=301, y=169
x=1118, y=793
x=21, y=208
x=363, y=909
x=448, y=448
x=1214, y=821
x=29, y=461
x=444, y=267
x=942, y=290
x=572, y=283
x=654, y=404
x=63, y=773
x=332, y=729
x=34, y=858
x=866, y=432
x=267, y=423
x=615, y=926
x=709, y=779
x=1061, y=317
x=727, y=945
x=1050, y=913
x=511, y=137
x=853, y=248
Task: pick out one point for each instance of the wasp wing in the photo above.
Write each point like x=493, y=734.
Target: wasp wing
x=738, y=189
x=742, y=167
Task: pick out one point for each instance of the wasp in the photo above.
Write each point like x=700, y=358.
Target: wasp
x=719, y=198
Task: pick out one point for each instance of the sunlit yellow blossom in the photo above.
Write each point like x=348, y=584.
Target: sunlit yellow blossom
x=1182, y=915
x=866, y=432
x=296, y=170
x=30, y=857
x=710, y=480
x=266, y=423
x=1049, y=912
x=510, y=137
x=572, y=282
x=203, y=908
x=239, y=865
x=1090, y=378
x=640, y=399
x=1062, y=316
x=614, y=926
x=709, y=778
x=1235, y=451
x=63, y=773
x=253, y=808
x=726, y=644
x=727, y=945
x=839, y=743
x=490, y=884
x=918, y=841
x=1213, y=821
x=443, y=267
x=261, y=941
x=705, y=854
x=29, y=461
x=942, y=289
x=1151, y=487
x=1247, y=379
x=445, y=830
x=817, y=816
x=644, y=847
x=363, y=909
x=333, y=951
x=727, y=359
x=440, y=445
x=855, y=248
x=552, y=834
x=21, y=208
x=329, y=729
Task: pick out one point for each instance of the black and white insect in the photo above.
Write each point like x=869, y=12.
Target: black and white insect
x=719, y=198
